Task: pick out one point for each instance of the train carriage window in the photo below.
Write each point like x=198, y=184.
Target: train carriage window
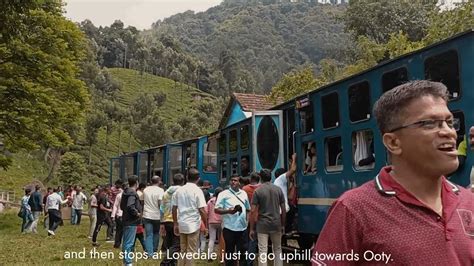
x=244, y=137
x=394, y=78
x=310, y=159
x=210, y=155
x=115, y=169
x=233, y=140
x=330, y=110
x=444, y=68
x=234, y=166
x=128, y=166
x=359, y=101
x=245, y=165
x=223, y=169
x=222, y=143
x=333, y=146
x=306, y=119
x=175, y=161
x=192, y=155
x=363, y=156
x=158, y=162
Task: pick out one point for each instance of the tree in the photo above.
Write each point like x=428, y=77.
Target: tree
x=378, y=19
x=73, y=169
x=94, y=121
x=152, y=130
x=40, y=93
x=293, y=84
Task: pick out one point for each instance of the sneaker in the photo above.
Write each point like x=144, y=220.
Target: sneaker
x=51, y=232
x=95, y=244
x=89, y=237
x=109, y=241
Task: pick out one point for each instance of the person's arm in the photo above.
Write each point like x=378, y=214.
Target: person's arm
x=103, y=208
x=115, y=207
x=175, y=221
x=131, y=206
x=292, y=169
x=253, y=220
x=203, y=213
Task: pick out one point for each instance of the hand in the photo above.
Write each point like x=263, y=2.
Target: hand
x=252, y=235
x=176, y=230
x=162, y=230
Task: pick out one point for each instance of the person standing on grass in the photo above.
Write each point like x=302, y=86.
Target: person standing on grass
x=53, y=203
x=188, y=212
x=102, y=216
x=132, y=211
x=45, y=210
x=36, y=208
x=170, y=240
x=78, y=204
x=152, y=196
x=27, y=215
x=117, y=219
x=214, y=221
x=93, y=211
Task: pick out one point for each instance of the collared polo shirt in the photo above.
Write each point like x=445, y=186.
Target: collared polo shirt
x=228, y=199
x=189, y=199
x=381, y=219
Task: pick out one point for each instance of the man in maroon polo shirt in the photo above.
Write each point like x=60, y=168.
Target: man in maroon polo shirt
x=410, y=214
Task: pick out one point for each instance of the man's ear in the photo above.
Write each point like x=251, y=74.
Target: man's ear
x=392, y=143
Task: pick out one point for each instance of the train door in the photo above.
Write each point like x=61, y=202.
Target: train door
x=175, y=158
x=158, y=164
x=142, y=167
x=267, y=140
x=128, y=166
x=207, y=159
x=115, y=170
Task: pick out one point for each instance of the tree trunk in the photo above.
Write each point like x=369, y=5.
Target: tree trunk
x=55, y=159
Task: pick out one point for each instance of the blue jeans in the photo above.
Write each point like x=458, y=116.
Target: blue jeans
x=152, y=235
x=73, y=216
x=27, y=220
x=129, y=233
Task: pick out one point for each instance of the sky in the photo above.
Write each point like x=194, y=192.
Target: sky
x=138, y=13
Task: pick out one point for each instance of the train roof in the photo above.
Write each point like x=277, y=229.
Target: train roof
x=383, y=63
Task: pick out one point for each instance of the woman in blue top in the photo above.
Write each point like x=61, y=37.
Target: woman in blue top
x=26, y=212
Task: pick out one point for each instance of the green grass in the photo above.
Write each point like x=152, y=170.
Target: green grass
x=23, y=249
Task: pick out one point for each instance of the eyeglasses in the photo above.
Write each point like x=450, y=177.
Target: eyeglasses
x=453, y=123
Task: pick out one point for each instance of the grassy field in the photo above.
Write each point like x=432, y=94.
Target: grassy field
x=39, y=249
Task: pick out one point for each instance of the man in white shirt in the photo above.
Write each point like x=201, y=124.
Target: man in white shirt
x=78, y=201
x=282, y=179
x=117, y=218
x=188, y=211
x=152, y=196
x=52, y=205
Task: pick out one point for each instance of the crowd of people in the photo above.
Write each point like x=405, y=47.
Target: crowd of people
x=186, y=216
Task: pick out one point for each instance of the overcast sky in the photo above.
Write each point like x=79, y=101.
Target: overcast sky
x=138, y=13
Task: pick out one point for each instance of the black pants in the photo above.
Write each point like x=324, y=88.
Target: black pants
x=118, y=231
x=54, y=219
x=171, y=242
x=234, y=242
x=100, y=221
